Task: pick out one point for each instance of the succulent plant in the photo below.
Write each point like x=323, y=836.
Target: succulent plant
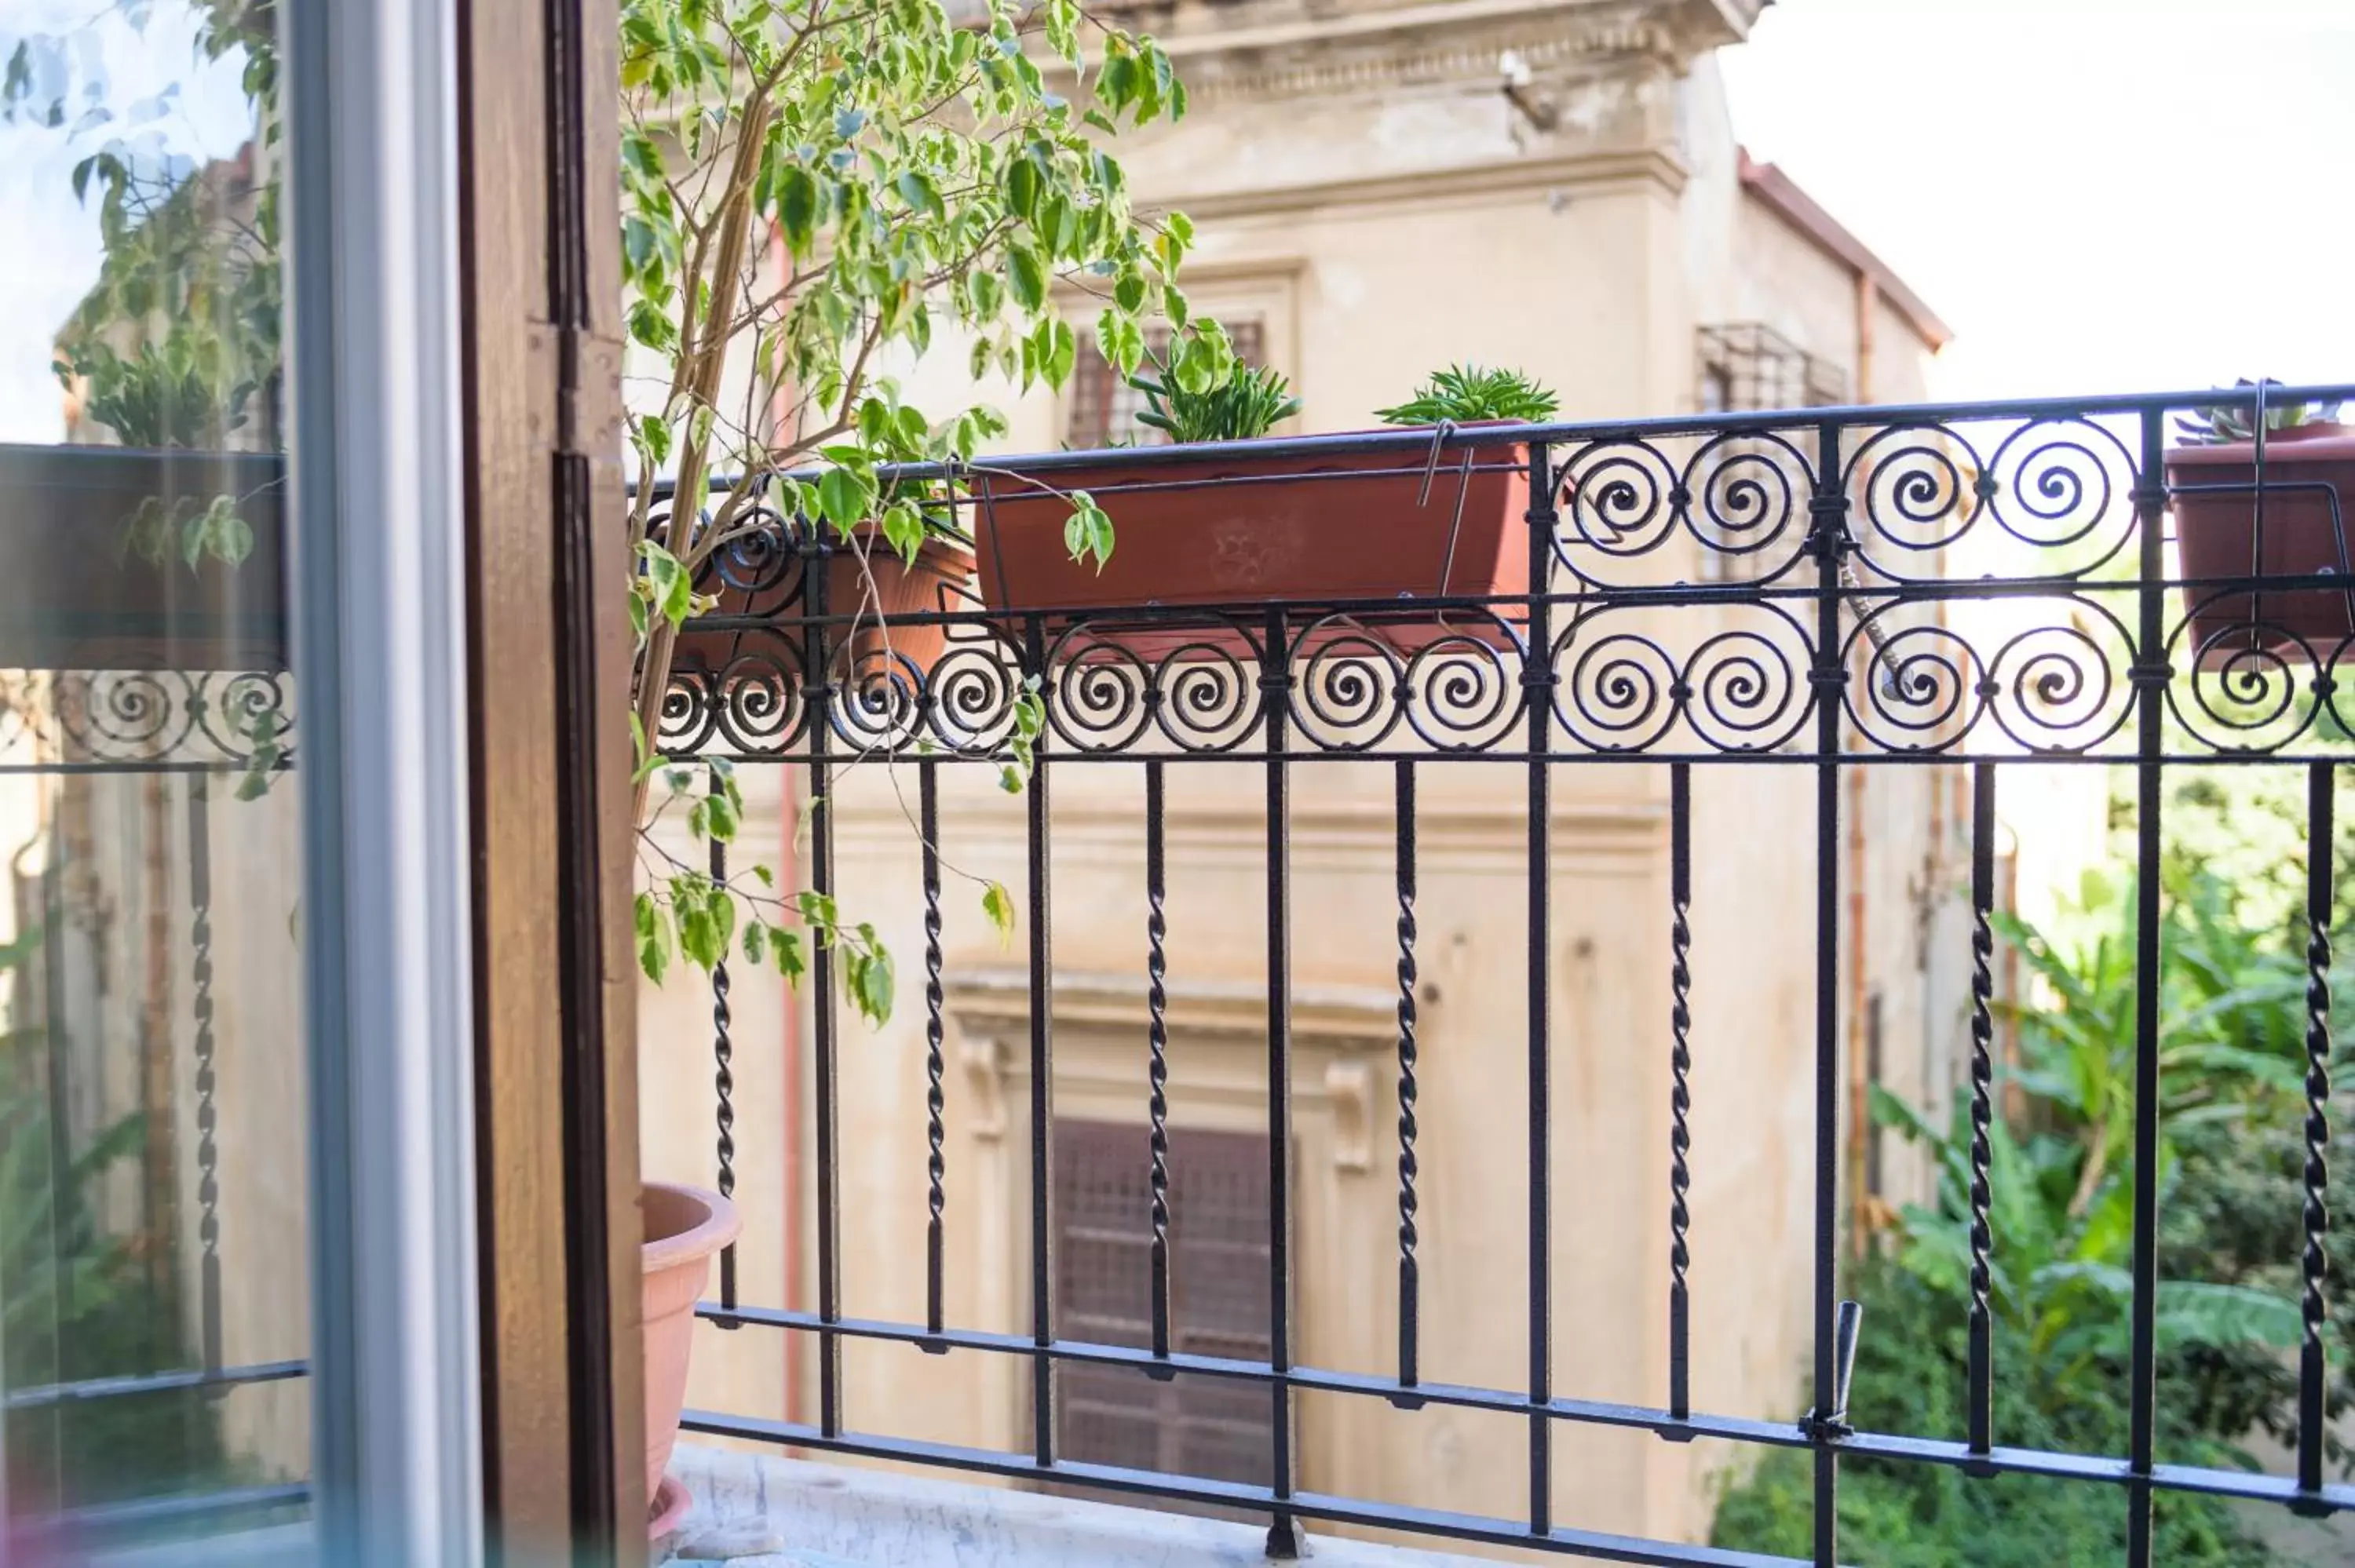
x=2214, y=426
x=1464, y=394
x=1248, y=403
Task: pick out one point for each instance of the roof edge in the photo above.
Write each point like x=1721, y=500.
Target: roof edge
x=1782, y=195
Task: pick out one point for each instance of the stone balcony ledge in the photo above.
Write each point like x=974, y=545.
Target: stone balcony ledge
x=762, y=1510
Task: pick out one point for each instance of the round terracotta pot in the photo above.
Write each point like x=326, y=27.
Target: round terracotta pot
x=685, y=1226
x=882, y=642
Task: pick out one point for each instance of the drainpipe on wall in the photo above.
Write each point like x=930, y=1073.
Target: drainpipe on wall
x=782, y=414
x=1860, y=978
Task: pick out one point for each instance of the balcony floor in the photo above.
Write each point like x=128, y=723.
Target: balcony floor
x=775, y=1513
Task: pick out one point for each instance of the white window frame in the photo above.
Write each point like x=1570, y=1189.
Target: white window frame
x=379, y=602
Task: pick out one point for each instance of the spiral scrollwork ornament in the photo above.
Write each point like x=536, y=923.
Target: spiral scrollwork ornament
x=2254, y=686
x=1745, y=497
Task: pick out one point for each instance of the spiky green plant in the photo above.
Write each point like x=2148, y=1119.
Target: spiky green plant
x=1246, y=404
x=1466, y=394
x=2207, y=427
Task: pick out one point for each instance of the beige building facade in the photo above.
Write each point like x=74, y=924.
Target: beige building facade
x=1380, y=190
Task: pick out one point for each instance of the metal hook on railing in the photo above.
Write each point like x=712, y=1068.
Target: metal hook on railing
x=1893, y=685
x=1439, y=434
x=1847, y=1326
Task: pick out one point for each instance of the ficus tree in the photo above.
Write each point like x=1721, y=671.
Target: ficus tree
x=813, y=191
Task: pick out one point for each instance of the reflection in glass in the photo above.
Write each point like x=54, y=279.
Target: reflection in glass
x=151, y=1112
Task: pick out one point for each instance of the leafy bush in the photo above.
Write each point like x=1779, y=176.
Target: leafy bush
x=78, y=1303
x=1466, y=394
x=1909, y=1370
x=2232, y=1046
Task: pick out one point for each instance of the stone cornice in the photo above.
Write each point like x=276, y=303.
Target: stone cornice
x=1235, y=56
x=1421, y=188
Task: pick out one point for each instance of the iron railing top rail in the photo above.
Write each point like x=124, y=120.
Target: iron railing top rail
x=1558, y=432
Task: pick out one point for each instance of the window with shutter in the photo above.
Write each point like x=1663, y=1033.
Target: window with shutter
x=1208, y=1426
x=1104, y=407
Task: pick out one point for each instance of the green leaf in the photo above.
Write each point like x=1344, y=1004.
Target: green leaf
x=1026, y=277
x=916, y=188
x=872, y=985
x=844, y=497
x=798, y=207
x=654, y=439
x=997, y=904
x=655, y=937
x=1022, y=186
x=792, y=957
x=674, y=590
x=903, y=530
x=1087, y=533
x=756, y=943
x=700, y=936
x=723, y=818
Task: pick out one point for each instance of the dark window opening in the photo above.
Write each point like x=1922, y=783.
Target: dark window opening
x=1212, y=1427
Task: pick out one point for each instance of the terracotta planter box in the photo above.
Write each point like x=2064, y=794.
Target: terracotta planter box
x=2216, y=536
x=939, y=581
x=73, y=597
x=1233, y=530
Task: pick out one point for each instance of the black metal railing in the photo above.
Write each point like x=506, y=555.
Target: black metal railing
x=1840, y=648
x=203, y=742
x=1850, y=641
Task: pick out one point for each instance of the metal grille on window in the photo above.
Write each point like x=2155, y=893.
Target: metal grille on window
x=1189, y=1425
x=1741, y=367
x=1104, y=407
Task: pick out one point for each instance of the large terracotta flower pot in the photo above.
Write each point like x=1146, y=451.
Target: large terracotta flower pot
x=881, y=641
x=2217, y=536
x=685, y=1226
x=1234, y=529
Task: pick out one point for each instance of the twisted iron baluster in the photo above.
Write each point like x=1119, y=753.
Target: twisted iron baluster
x=1157, y=1000
x=200, y=913
x=935, y=1100
x=1410, y=1275
x=1982, y=1099
x=1681, y=1091
x=723, y=1078
x=2312, y=1368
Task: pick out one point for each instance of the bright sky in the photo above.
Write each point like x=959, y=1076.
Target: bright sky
x=53, y=246
x=2097, y=195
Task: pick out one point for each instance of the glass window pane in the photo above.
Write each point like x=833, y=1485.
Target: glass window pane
x=153, y=1181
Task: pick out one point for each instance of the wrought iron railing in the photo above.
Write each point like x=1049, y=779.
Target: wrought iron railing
x=1861, y=637
x=1876, y=531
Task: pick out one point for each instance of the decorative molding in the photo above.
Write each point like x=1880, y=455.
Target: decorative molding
x=1658, y=167
x=1349, y=1086
x=1371, y=50
x=996, y=1004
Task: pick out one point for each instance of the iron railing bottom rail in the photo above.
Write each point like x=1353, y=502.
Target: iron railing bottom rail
x=2335, y=1497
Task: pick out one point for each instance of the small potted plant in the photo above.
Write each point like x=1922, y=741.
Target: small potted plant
x=1232, y=527
x=2309, y=496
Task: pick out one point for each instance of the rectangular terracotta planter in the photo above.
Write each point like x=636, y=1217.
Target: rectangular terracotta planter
x=2217, y=536
x=72, y=597
x=1231, y=529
